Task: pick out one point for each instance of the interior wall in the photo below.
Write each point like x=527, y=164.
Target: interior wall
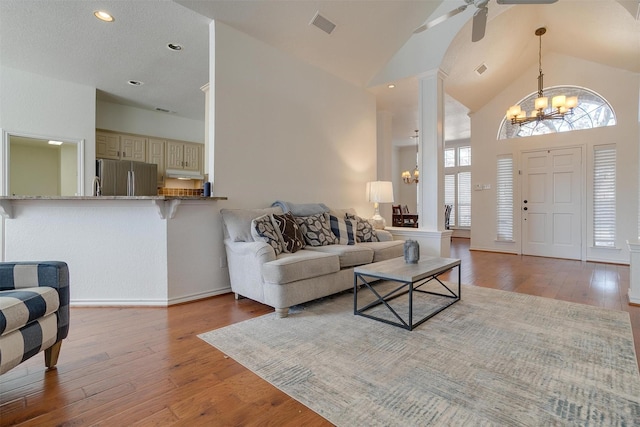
x=612, y=84
x=285, y=130
x=38, y=105
x=124, y=118
x=35, y=170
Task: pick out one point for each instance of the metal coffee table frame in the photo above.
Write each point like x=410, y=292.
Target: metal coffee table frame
x=411, y=277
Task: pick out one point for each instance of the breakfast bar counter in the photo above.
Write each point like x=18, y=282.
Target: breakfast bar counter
x=122, y=251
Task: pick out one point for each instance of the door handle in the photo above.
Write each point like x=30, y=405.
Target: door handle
x=525, y=201
x=526, y=208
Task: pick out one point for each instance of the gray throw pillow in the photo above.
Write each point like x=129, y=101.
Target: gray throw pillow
x=365, y=231
x=263, y=230
x=292, y=237
x=316, y=230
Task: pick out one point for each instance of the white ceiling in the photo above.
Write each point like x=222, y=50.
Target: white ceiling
x=63, y=40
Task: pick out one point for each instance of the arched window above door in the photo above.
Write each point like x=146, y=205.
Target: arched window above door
x=592, y=111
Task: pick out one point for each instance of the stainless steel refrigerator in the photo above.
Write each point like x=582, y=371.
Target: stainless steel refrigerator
x=127, y=178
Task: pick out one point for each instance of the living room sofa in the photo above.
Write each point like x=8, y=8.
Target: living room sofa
x=282, y=275
x=34, y=311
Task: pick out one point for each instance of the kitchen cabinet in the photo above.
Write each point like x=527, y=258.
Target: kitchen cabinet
x=156, y=154
x=184, y=155
x=120, y=146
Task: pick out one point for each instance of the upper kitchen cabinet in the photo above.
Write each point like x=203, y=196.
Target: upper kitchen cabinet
x=184, y=155
x=156, y=155
x=120, y=146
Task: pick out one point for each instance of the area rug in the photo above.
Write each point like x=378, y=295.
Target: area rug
x=493, y=358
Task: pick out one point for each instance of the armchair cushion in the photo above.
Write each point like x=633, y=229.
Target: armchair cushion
x=34, y=306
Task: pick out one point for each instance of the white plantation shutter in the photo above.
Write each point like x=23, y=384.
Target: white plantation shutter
x=604, y=196
x=504, y=196
x=464, y=199
x=450, y=196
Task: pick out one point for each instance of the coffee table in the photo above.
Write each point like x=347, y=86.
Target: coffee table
x=411, y=277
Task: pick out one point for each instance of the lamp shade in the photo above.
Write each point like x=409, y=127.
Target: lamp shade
x=380, y=191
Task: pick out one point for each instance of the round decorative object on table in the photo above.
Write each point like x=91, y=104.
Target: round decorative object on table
x=411, y=252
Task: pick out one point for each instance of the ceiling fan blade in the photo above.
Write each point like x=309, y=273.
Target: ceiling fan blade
x=440, y=19
x=479, y=24
x=526, y=1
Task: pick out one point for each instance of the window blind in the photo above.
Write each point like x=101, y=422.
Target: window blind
x=604, y=197
x=504, y=196
x=464, y=199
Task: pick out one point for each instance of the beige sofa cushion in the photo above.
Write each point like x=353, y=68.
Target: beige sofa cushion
x=237, y=222
x=350, y=255
x=383, y=251
x=303, y=264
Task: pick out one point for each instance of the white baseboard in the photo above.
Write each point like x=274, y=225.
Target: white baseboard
x=147, y=302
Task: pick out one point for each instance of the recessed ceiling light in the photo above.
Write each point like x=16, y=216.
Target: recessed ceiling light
x=55, y=142
x=391, y=86
x=135, y=83
x=103, y=16
x=174, y=46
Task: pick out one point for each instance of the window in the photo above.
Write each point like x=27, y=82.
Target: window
x=592, y=111
x=504, y=196
x=457, y=185
x=604, y=196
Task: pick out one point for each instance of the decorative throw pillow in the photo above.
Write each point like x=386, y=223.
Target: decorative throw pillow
x=344, y=229
x=263, y=230
x=316, y=230
x=365, y=231
x=292, y=238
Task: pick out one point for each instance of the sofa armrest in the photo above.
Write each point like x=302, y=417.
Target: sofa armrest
x=54, y=274
x=245, y=260
x=384, y=235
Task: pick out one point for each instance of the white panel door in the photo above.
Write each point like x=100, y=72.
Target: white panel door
x=551, y=203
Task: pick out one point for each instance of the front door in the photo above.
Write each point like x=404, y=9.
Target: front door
x=551, y=203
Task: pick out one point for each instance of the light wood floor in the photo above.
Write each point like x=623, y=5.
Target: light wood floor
x=145, y=366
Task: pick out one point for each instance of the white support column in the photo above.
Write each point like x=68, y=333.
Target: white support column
x=634, y=277
x=434, y=240
x=431, y=186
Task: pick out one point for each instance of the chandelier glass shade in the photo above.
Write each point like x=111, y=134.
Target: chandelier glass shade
x=560, y=104
x=408, y=177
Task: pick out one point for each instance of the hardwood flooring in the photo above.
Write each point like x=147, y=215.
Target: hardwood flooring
x=146, y=366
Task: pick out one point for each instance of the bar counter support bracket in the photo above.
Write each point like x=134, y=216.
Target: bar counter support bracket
x=167, y=208
x=6, y=209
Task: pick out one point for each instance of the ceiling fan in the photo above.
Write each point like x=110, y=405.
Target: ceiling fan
x=479, y=17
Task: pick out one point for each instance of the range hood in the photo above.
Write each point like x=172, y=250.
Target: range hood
x=183, y=174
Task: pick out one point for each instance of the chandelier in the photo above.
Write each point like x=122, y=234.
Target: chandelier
x=406, y=175
x=560, y=105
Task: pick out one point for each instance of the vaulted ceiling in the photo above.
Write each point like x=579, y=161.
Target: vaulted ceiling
x=63, y=40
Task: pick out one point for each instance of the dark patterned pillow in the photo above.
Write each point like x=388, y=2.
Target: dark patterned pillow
x=344, y=229
x=263, y=230
x=365, y=231
x=316, y=230
x=292, y=238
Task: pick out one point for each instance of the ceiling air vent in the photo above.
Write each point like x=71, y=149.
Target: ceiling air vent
x=481, y=69
x=323, y=23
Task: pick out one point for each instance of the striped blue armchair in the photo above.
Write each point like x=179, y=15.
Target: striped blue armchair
x=34, y=311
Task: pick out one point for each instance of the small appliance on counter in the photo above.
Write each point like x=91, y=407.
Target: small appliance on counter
x=127, y=178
